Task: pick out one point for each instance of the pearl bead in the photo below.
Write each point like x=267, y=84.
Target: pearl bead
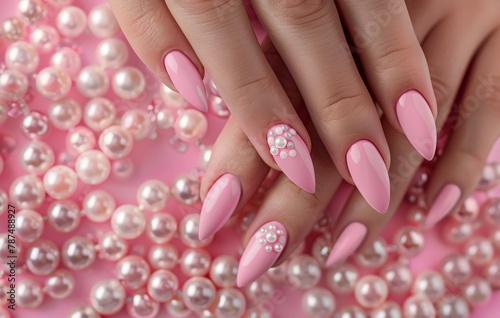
x=27, y=192
x=92, y=81
x=161, y=228
x=430, y=284
x=107, y=297
x=456, y=269
x=42, y=258
x=53, y=83
x=177, y=308
x=92, y=167
x=71, y=21
x=44, y=38
x=218, y=107
x=22, y=56
x=112, y=53
x=257, y=313
x=80, y=139
x=5, y=250
x=111, y=247
x=99, y=113
x=35, y=125
x=303, y=271
x=373, y=256
x=456, y=233
x=321, y=250
x=223, y=271
x=29, y=294
x=78, y=253
x=416, y=215
x=84, y=312
x=60, y=182
x=195, y=262
x=318, y=303
x=410, y=241
x=163, y=256
x=479, y=251
x=60, y=284
x=64, y=216
x=128, y=222
x=260, y=290
x=141, y=305
x=133, y=271
x=29, y=225
x=491, y=212
x=98, y=206
x=189, y=231
x=32, y=10
x=342, y=279
x=477, y=292
x=123, y=168
x=205, y=155
x=398, y=277
x=230, y=303
x=65, y=114
x=492, y=273
x=186, y=189
x=371, y=291
x=136, y=122
x=4, y=204
x=418, y=306
x=102, y=22
x=191, y=125
x=198, y=293
x=116, y=142
x=389, y=310
x=468, y=212
x=152, y=195
x=67, y=59
x=13, y=85
x=351, y=312
x=452, y=307
x=128, y=82
x=165, y=118
x=12, y=29
x=489, y=177
x=162, y=285
x=172, y=98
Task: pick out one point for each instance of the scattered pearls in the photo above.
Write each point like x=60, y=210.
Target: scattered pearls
x=430, y=284
x=162, y=285
x=29, y=225
x=78, y=253
x=63, y=216
x=141, y=305
x=92, y=167
x=27, y=192
x=260, y=290
x=65, y=114
x=102, y=22
x=107, y=297
x=230, y=303
x=342, y=279
x=60, y=284
x=133, y=271
x=163, y=256
x=67, y=59
x=191, y=125
x=410, y=241
x=456, y=269
x=31, y=10
x=318, y=302
x=452, y=307
x=128, y=82
x=189, y=231
x=98, y=206
x=13, y=85
x=172, y=98
x=80, y=139
x=12, y=29
x=161, y=228
x=128, y=221
x=186, y=189
x=223, y=271
x=42, y=258
x=29, y=293
x=44, y=38
x=112, y=247
x=303, y=271
x=198, y=293
x=99, y=113
x=116, y=142
x=60, y=182
x=374, y=256
x=195, y=262
x=165, y=118
x=480, y=251
x=35, y=125
x=112, y=53
x=22, y=56
x=92, y=81
x=71, y=21
x=371, y=291
x=477, y=292
x=83, y=311
x=418, y=306
x=398, y=277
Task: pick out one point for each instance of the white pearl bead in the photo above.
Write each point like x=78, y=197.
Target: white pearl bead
x=111, y=247
x=152, y=195
x=78, y=253
x=112, y=53
x=92, y=81
x=107, y=297
x=29, y=293
x=223, y=271
x=128, y=82
x=128, y=221
x=230, y=303
x=92, y=167
x=98, y=206
x=116, y=142
x=102, y=22
x=67, y=59
x=83, y=311
x=60, y=182
x=64, y=216
x=42, y=258
x=195, y=262
x=29, y=225
x=318, y=302
x=60, y=284
x=22, y=56
x=53, y=83
x=71, y=21
x=162, y=285
x=137, y=122
x=65, y=114
x=27, y=192
x=133, y=271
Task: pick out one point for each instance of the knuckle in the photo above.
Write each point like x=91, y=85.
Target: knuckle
x=203, y=7
x=247, y=88
x=301, y=12
x=442, y=90
x=393, y=57
x=340, y=105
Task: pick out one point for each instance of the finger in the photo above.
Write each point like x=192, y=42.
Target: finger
x=309, y=37
x=476, y=129
x=222, y=36
x=395, y=67
x=160, y=44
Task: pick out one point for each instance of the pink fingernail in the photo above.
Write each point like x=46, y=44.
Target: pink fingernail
x=347, y=243
x=443, y=204
x=186, y=79
x=292, y=156
x=219, y=205
x=369, y=173
x=261, y=253
x=416, y=119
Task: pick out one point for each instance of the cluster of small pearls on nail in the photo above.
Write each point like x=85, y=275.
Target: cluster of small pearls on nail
x=271, y=238
x=278, y=139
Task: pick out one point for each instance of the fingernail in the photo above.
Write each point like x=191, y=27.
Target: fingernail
x=261, y=253
x=416, y=120
x=186, y=79
x=347, y=243
x=292, y=156
x=443, y=204
x=219, y=205
x=369, y=173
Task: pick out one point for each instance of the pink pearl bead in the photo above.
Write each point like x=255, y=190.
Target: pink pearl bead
x=60, y=284
x=64, y=216
x=389, y=310
x=177, y=308
x=320, y=249
x=351, y=312
x=491, y=212
x=60, y=182
x=123, y=168
x=430, y=284
x=133, y=271
x=107, y=297
x=172, y=98
x=13, y=85
x=186, y=189
x=342, y=279
x=257, y=313
x=303, y=271
x=165, y=118
x=162, y=285
x=136, y=122
x=163, y=256
x=152, y=195
x=479, y=251
x=128, y=82
x=78, y=253
x=416, y=215
x=12, y=29
x=452, y=307
x=218, y=107
x=191, y=125
x=102, y=22
x=35, y=125
x=489, y=177
x=83, y=311
x=92, y=81
x=374, y=256
x=116, y=142
x=260, y=290
x=53, y=83
x=92, y=167
x=161, y=228
x=278, y=273
x=27, y=192
x=112, y=53
x=418, y=306
x=468, y=212
x=409, y=240
x=456, y=233
x=189, y=231
x=32, y=10
x=318, y=302
x=371, y=291
x=195, y=262
x=29, y=294
x=22, y=56
x=198, y=293
x=223, y=271
x=398, y=277
x=98, y=206
x=44, y=38
x=128, y=221
x=71, y=21
x=42, y=258
x=80, y=139
x=29, y=225
x=65, y=114
x=492, y=273
x=230, y=303
x=111, y=247
x=67, y=59
x=456, y=269
x=140, y=305
x=477, y=292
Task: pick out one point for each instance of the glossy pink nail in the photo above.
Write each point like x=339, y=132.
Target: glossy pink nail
x=347, y=243
x=292, y=156
x=443, y=204
x=186, y=79
x=369, y=173
x=261, y=253
x=219, y=205
x=416, y=120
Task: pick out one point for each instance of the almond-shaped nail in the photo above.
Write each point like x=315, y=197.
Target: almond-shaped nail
x=262, y=251
x=186, y=79
x=416, y=120
x=292, y=156
x=347, y=243
x=443, y=204
x=369, y=173
x=219, y=205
